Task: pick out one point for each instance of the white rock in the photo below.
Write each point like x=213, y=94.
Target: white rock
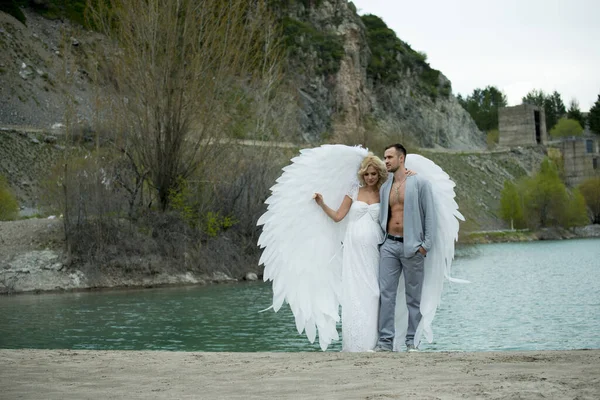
x=251, y=276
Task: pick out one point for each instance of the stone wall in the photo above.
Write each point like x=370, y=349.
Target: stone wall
x=517, y=126
x=578, y=160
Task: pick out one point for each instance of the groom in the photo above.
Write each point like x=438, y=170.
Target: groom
x=406, y=217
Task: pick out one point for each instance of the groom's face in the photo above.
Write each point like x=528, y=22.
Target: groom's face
x=393, y=159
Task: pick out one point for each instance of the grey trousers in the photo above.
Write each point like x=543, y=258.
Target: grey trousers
x=392, y=262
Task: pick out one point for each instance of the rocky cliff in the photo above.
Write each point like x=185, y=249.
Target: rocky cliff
x=353, y=78
x=36, y=78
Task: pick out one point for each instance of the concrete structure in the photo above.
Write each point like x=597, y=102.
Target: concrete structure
x=523, y=125
x=581, y=158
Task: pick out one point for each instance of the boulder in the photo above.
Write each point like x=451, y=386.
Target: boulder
x=251, y=276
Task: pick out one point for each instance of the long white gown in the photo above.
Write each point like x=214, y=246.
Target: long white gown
x=302, y=257
x=360, y=271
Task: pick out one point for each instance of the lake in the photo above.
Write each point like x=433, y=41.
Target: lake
x=522, y=296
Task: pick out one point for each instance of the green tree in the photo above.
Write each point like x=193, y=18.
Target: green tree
x=535, y=97
x=575, y=113
x=546, y=198
x=554, y=109
x=590, y=190
x=553, y=106
x=9, y=207
x=391, y=59
x=483, y=106
x=511, y=209
x=576, y=210
x=594, y=117
x=566, y=127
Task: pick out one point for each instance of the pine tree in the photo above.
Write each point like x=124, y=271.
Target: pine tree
x=554, y=109
x=483, y=106
x=575, y=113
x=553, y=106
x=594, y=117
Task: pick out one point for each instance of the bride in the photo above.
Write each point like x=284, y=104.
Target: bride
x=316, y=263
x=360, y=256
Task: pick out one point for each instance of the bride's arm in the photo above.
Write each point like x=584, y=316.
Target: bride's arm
x=341, y=212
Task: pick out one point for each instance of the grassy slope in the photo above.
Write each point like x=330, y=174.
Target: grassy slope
x=479, y=181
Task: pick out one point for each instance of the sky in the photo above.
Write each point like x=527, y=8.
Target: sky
x=514, y=45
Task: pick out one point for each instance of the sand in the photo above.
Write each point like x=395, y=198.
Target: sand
x=73, y=374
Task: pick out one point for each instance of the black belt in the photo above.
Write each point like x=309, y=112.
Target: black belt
x=396, y=238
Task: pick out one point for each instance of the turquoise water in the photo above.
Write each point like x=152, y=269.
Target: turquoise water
x=523, y=296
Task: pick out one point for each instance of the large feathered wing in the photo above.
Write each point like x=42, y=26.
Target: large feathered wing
x=302, y=246
x=438, y=262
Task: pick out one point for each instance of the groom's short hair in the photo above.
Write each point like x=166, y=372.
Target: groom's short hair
x=398, y=148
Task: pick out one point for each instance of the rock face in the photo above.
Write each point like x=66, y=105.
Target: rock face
x=587, y=231
x=344, y=102
x=36, y=83
x=339, y=98
x=38, y=270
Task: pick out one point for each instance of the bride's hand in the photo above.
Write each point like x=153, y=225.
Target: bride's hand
x=410, y=172
x=318, y=198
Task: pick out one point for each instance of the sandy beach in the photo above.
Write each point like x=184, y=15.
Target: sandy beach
x=70, y=374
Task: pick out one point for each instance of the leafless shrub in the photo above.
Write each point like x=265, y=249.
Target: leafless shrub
x=166, y=179
x=180, y=72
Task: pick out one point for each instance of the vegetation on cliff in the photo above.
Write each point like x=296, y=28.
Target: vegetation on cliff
x=391, y=58
x=302, y=38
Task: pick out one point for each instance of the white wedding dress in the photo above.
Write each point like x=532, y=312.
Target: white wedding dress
x=311, y=270
x=360, y=271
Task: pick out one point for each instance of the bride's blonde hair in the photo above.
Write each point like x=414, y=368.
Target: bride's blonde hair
x=375, y=162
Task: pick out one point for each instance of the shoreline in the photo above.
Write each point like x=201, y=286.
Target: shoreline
x=526, y=235
x=78, y=374
x=31, y=265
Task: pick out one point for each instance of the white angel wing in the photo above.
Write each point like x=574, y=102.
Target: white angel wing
x=438, y=262
x=302, y=246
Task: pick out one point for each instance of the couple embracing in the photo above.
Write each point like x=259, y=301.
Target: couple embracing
x=388, y=275
x=400, y=212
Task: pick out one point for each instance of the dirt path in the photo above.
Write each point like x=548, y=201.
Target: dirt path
x=64, y=374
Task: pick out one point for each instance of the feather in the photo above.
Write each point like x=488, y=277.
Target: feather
x=301, y=244
x=438, y=263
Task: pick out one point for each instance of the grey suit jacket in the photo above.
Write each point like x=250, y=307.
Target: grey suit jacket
x=418, y=212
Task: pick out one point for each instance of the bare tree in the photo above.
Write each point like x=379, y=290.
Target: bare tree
x=180, y=70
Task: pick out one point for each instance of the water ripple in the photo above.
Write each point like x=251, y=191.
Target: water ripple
x=523, y=296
